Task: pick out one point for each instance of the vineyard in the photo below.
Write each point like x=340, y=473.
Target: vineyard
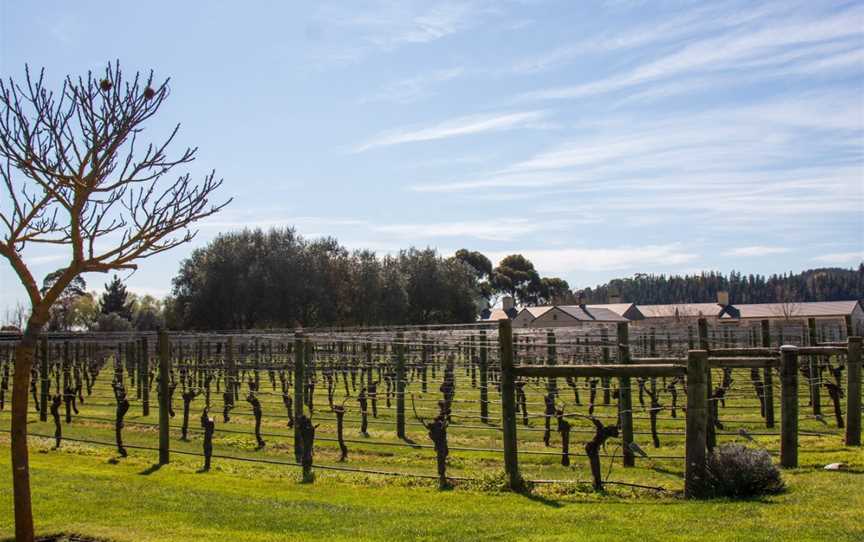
x=597, y=405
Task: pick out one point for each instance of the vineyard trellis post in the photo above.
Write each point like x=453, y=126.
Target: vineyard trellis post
x=814, y=372
x=853, y=392
x=697, y=423
x=299, y=385
x=144, y=377
x=400, y=384
x=789, y=406
x=625, y=396
x=508, y=405
x=164, y=397
x=551, y=360
x=484, y=378
x=45, y=380
x=768, y=376
x=705, y=344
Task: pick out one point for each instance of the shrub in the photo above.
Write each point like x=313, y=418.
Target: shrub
x=739, y=472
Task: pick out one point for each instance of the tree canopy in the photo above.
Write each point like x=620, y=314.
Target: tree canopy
x=276, y=278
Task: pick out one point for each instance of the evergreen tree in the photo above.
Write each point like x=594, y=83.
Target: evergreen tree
x=114, y=300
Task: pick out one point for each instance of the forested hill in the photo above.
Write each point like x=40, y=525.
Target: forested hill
x=827, y=284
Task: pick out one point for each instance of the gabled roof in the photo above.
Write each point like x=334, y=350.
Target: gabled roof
x=811, y=309
x=681, y=310
x=498, y=314
x=537, y=311
x=593, y=313
x=628, y=310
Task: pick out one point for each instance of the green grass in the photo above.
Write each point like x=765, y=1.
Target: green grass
x=85, y=488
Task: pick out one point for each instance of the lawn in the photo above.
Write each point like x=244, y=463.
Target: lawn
x=86, y=489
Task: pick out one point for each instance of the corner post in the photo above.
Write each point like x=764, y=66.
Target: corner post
x=789, y=407
x=697, y=424
x=508, y=405
x=625, y=396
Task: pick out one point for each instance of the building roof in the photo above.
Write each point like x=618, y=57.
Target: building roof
x=812, y=309
x=497, y=314
x=680, y=310
x=538, y=311
x=627, y=310
x=595, y=313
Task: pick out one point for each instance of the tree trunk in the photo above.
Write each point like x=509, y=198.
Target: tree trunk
x=20, y=457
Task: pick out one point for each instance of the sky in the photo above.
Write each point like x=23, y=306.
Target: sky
x=599, y=139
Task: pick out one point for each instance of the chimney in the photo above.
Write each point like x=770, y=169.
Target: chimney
x=722, y=298
x=507, y=303
x=614, y=295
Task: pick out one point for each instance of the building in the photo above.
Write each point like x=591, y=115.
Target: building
x=847, y=314
x=833, y=318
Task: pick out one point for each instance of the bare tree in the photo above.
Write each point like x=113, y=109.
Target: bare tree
x=15, y=317
x=76, y=175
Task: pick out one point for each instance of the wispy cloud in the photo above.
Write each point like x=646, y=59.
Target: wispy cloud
x=467, y=125
x=758, y=47
x=413, y=89
x=571, y=260
x=500, y=229
x=386, y=25
x=756, y=250
x=841, y=258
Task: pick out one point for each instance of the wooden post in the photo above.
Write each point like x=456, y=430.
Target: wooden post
x=45, y=380
x=606, y=382
x=230, y=366
x=704, y=344
x=508, y=405
x=424, y=364
x=702, y=325
x=367, y=349
x=144, y=377
x=697, y=424
x=853, y=392
x=551, y=359
x=625, y=396
x=401, y=377
x=299, y=385
x=815, y=375
x=768, y=377
x=484, y=378
x=789, y=407
x=164, y=398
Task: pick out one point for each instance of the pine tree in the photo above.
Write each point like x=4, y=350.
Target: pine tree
x=114, y=299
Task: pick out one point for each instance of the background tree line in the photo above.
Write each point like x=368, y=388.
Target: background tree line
x=277, y=278
x=826, y=284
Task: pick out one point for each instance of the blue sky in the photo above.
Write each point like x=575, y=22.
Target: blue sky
x=599, y=139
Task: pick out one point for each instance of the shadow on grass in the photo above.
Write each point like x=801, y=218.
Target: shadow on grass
x=545, y=501
x=151, y=469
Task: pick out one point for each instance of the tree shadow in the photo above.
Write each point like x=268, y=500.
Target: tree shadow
x=545, y=501
x=151, y=469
